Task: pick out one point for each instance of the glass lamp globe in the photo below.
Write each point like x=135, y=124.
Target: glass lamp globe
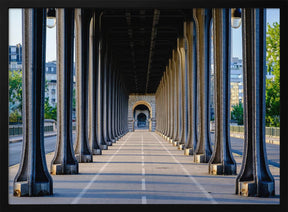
x=51, y=18
x=235, y=18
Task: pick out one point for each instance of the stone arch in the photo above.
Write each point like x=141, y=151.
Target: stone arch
x=147, y=104
x=141, y=102
x=147, y=100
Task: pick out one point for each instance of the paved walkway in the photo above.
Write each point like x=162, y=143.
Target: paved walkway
x=143, y=168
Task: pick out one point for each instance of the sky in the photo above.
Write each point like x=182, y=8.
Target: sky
x=15, y=33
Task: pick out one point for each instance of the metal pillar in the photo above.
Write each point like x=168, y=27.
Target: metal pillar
x=175, y=66
x=192, y=89
x=182, y=106
x=222, y=161
x=116, y=122
x=105, y=97
x=168, y=103
x=203, y=149
x=82, y=150
x=109, y=102
x=93, y=71
x=100, y=86
x=113, y=103
x=64, y=161
x=254, y=178
x=33, y=178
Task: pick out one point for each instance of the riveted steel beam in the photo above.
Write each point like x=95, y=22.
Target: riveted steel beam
x=33, y=178
x=64, y=161
x=254, y=178
x=82, y=149
x=203, y=149
x=222, y=161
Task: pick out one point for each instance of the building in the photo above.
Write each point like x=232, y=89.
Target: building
x=236, y=81
x=51, y=80
x=15, y=57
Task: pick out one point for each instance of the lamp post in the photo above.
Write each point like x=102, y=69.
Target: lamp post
x=235, y=18
x=51, y=18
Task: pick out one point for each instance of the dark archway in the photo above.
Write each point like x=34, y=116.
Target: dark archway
x=141, y=114
x=141, y=120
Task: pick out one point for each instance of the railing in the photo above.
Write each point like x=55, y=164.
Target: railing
x=15, y=130
x=270, y=131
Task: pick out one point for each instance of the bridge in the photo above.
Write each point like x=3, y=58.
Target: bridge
x=142, y=110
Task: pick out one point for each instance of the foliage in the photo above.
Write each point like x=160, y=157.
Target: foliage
x=237, y=113
x=50, y=111
x=15, y=90
x=15, y=96
x=15, y=99
x=273, y=84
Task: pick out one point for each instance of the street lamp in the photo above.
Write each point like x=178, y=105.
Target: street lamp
x=51, y=17
x=235, y=18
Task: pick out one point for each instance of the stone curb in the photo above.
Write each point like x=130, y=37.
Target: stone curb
x=268, y=140
x=15, y=140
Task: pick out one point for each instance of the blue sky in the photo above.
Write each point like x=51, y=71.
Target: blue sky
x=15, y=33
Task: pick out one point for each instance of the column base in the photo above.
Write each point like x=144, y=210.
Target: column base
x=174, y=143
x=84, y=158
x=181, y=146
x=60, y=169
x=170, y=140
x=200, y=158
x=109, y=143
x=97, y=152
x=188, y=151
x=220, y=169
x=249, y=189
x=113, y=140
x=21, y=189
x=104, y=147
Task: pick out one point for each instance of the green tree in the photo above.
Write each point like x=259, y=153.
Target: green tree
x=237, y=113
x=15, y=96
x=50, y=112
x=273, y=84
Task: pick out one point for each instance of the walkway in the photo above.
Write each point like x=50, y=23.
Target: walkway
x=143, y=168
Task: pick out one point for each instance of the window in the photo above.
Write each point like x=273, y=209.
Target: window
x=13, y=57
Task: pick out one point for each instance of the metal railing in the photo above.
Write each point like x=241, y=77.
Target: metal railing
x=270, y=131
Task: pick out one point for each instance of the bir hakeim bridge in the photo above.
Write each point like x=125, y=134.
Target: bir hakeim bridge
x=142, y=81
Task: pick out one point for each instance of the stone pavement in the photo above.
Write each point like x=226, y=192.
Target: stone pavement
x=143, y=168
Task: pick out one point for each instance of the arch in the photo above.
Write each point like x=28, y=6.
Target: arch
x=141, y=119
x=147, y=104
x=141, y=102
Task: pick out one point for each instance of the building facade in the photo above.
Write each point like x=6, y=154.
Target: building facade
x=15, y=57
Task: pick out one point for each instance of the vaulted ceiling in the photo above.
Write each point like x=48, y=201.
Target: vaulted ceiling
x=141, y=41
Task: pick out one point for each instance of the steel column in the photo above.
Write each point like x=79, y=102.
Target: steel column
x=64, y=161
x=176, y=96
x=222, y=161
x=93, y=88
x=254, y=178
x=183, y=121
x=192, y=89
x=33, y=178
x=203, y=149
x=105, y=97
x=109, y=102
x=82, y=150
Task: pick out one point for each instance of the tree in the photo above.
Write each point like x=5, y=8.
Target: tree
x=50, y=112
x=237, y=113
x=273, y=84
x=15, y=96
